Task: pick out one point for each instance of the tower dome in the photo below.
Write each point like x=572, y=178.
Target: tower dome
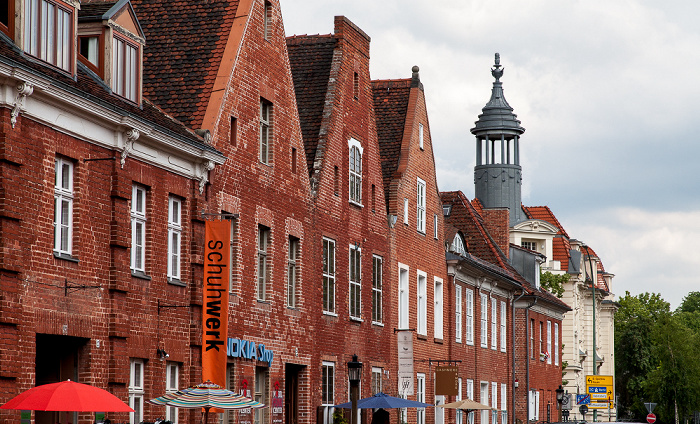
x=497, y=174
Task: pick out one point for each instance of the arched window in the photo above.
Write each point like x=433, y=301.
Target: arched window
x=458, y=245
x=355, y=171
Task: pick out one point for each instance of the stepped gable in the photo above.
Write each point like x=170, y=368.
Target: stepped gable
x=185, y=43
x=91, y=87
x=390, y=108
x=310, y=60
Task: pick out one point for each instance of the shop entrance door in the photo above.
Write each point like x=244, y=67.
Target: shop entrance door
x=291, y=393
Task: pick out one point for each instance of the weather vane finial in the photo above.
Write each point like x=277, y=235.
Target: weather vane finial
x=496, y=71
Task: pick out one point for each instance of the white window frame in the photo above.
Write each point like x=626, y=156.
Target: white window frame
x=494, y=402
x=460, y=413
x=328, y=396
x=469, y=312
x=172, y=377
x=494, y=324
x=264, y=234
x=534, y=399
x=403, y=315
x=377, y=374
x=262, y=388
x=549, y=341
x=420, y=205
x=420, y=136
x=439, y=412
x=504, y=403
x=420, y=397
x=458, y=313
x=138, y=220
x=422, y=303
x=504, y=315
x=174, y=237
x=484, y=321
x=377, y=287
x=44, y=17
x=405, y=211
x=485, y=401
x=63, y=207
x=355, y=171
x=435, y=226
x=438, y=312
x=355, y=280
x=125, y=66
x=328, y=255
x=136, y=390
x=470, y=395
x=292, y=272
x=556, y=343
x=265, y=141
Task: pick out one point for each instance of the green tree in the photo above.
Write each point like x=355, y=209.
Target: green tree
x=554, y=283
x=691, y=303
x=635, y=322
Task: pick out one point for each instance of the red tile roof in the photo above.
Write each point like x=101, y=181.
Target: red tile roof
x=310, y=59
x=185, y=41
x=390, y=108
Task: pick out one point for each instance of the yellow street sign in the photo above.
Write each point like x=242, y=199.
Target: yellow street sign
x=599, y=380
x=600, y=389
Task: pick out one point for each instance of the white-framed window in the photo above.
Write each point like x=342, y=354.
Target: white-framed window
x=136, y=391
x=377, y=380
x=556, y=343
x=420, y=205
x=438, y=312
x=541, y=341
x=125, y=65
x=138, y=228
x=532, y=338
x=504, y=403
x=470, y=395
x=494, y=402
x=172, y=373
x=420, y=136
x=261, y=394
x=532, y=245
x=355, y=266
x=267, y=27
x=355, y=171
x=174, y=237
x=263, y=272
x=549, y=342
x=469, y=312
x=265, y=132
x=327, y=391
x=458, y=314
x=435, y=226
x=48, y=32
x=292, y=272
x=503, y=326
x=377, y=283
x=63, y=207
x=460, y=413
x=458, y=245
x=494, y=324
x=485, y=401
x=405, y=211
x=534, y=400
x=420, y=397
x=328, y=276
x=439, y=412
x=422, y=308
x=484, y=321
x=403, y=297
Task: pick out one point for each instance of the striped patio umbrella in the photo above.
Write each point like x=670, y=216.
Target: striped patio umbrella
x=206, y=395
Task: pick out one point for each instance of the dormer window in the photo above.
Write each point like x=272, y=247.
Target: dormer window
x=48, y=32
x=458, y=245
x=90, y=50
x=7, y=14
x=125, y=68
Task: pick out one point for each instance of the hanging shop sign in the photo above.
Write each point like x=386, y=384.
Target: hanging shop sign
x=247, y=349
x=215, y=301
x=446, y=380
x=405, y=355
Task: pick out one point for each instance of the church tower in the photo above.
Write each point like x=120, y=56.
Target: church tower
x=497, y=174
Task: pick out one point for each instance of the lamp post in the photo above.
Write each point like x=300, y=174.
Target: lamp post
x=560, y=399
x=590, y=263
x=354, y=375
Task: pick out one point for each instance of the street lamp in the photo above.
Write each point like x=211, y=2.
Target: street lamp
x=590, y=263
x=354, y=375
x=560, y=398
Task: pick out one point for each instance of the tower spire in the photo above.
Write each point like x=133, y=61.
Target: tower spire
x=497, y=174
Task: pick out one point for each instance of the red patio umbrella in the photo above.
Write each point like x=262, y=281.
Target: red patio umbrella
x=67, y=396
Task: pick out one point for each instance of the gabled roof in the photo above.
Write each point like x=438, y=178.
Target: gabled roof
x=310, y=59
x=466, y=216
x=543, y=213
x=186, y=42
x=101, y=10
x=390, y=108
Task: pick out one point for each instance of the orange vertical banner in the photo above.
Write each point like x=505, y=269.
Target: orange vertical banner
x=217, y=265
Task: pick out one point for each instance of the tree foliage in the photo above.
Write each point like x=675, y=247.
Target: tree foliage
x=656, y=356
x=554, y=283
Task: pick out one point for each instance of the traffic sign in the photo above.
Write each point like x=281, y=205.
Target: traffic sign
x=583, y=399
x=650, y=407
x=600, y=388
x=566, y=402
x=651, y=418
x=583, y=409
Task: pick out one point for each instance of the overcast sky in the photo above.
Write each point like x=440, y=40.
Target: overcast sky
x=609, y=95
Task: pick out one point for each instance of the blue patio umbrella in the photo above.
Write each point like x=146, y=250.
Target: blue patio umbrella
x=382, y=400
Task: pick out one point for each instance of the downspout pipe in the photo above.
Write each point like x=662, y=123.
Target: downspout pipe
x=512, y=351
x=527, y=358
